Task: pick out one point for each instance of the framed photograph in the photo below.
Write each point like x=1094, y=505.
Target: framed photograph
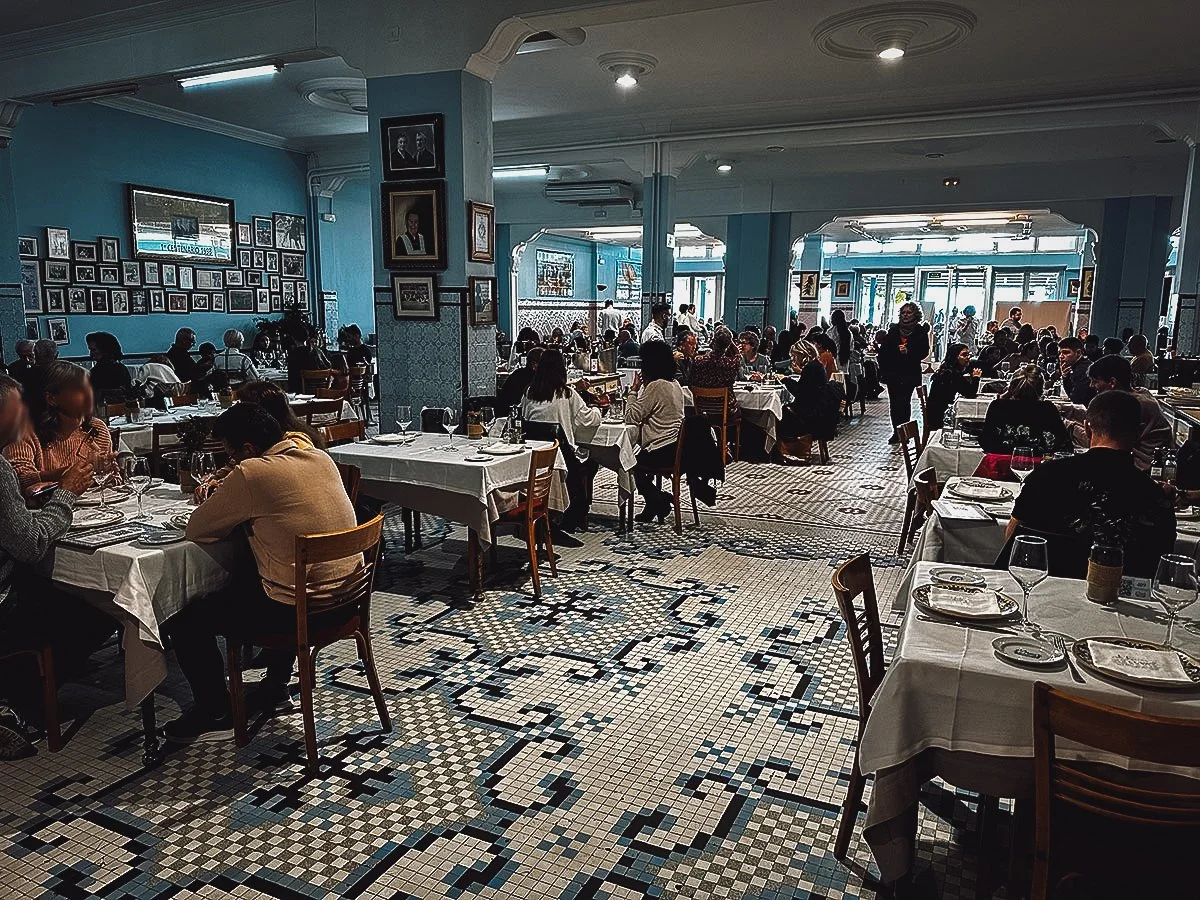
x=481, y=236
x=110, y=249
x=170, y=275
x=413, y=147
x=555, y=274
x=77, y=300
x=31, y=285
x=276, y=303
x=98, y=300
x=57, y=271
x=218, y=301
x=1087, y=282
x=84, y=251
x=233, y=278
x=244, y=258
x=151, y=273
x=289, y=292
x=273, y=283
x=264, y=231
x=809, y=283
x=85, y=274
x=241, y=301
x=131, y=274
x=262, y=300
x=110, y=274
x=302, y=294
x=119, y=301
x=186, y=278
x=259, y=258
x=841, y=289
x=243, y=234
x=56, y=299
x=31, y=329
x=27, y=246
x=414, y=225
x=1072, y=287
x=177, y=302
x=58, y=331
x=413, y=297
x=292, y=265
x=290, y=232
x=200, y=303
x=254, y=278
x=58, y=243
x=209, y=279
x=158, y=300
x=175, y=226
x=482, y=291
x=273, y=260
x=137, y=302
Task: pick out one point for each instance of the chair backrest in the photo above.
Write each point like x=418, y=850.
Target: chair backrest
x=351, y=476
x=853, y=579
x=330, y=394
x=314, y=379
x=909, y=438
x=320, y=596
x=928, y=490
x=358, y=378
x=541, y=475
x=323, y=408
x=344, y=432
x=431, y=420
x=712, y=402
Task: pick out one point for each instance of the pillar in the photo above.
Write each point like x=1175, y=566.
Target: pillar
x=504, y=270
x=442, y=361
x=757, y=262
x=1131, y=258
x=658, y=222
x=12, y=308
x=1187, y=265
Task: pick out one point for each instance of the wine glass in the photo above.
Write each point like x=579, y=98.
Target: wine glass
x=450, y=420
x=403, y=418
x=136, y=471
x=102, y=470
x=487, y=415
x=1022, y=462
x=1174, y=587
x=202, y=467
x=1028, y=564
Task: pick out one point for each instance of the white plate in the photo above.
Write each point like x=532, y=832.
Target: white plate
x=96, y=518
x=1187, y=513
x=1026, y=650
x=482, y=458
x=180, y=520
x=951, y=577
x=504, y=449
x=391, y=439
x=161, y=538
x=1083, y=656
x=1009, y=608
x=117, y=494
x=972, y=491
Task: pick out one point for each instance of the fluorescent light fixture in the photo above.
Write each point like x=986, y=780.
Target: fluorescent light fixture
x=231, y=75
x=627, y=80
x=509, y=172
x=724, y=167
x=901, y=217
x=890, y=53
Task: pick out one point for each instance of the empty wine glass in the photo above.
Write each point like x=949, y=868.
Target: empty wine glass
x=450, y=420
x=1174, y=587
x=487, y=416
x=136, y=471
x=1028, y=564
x=1022, y=462
x=102, y=470
x=202, y=467
x=403, y=418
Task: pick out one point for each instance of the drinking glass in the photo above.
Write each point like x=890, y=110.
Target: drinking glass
x=403, y=418
x=136, y=471
x=1028, y=564
x=102, y=470
x=202, y=467
x=450, y=420
x=1174, y=587
x=1022, y=462
x=488, y=416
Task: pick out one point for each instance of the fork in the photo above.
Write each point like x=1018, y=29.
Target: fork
x=1062, y=646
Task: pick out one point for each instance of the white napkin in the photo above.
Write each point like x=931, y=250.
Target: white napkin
x=964, y=603
x=981, y=488
x=1161, y=665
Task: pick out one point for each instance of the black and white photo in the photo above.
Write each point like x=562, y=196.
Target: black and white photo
x=200, y=302
x=57, y=271
x=158, y=300
x=218, y=301
x=414, y=225
x=110, y=249
x=413, y=147
x=77, y=300
x=259, y=258
x=169, y=275
x=131, y=274
x=98, y=301
x=276, y=303
x=292, y=265
x=27, y=246
x=289, y=291
x=56, y=299
x=58, y=331
x=58, y=243
x=137, y=302
x=233, y=278
x=241, y=301
x=209, y=279
x=253, y=278
x=31, y=285
x=244, y=259
x=482, y=292
x=243, y=234
x=272, y=260
x=150, y=273
x=177, y=302
x=264, y=232
x=290, y=232
x=273, y=283
x=85, y=274
x=119, y=302
x=186, y=279
x=413, y=297
x=262, y=300
x=481, y=232
x=31, y=328
x=110, y=274
x=84, y=251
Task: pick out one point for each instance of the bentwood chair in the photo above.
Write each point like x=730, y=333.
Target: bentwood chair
x=675, y=473
x=344, y=432
x=312, y=380
x=851, y=580
x=909, y=438
x=1125, y=832
x=359, y=391
x=327, y=611
x=925, y=484
x=43, y=656
x=533, y=512
x=714, y=404
x=181, y=400
x=351, y=477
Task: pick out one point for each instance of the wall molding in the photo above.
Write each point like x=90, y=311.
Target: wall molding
x=10, y=115
x=203, y=123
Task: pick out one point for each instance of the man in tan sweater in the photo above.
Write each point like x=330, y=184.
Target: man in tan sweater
x=275, y=491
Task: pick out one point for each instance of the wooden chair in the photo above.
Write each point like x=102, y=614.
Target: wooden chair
x=675, y=473
x=330, y=394
x=163, y=439
x=344, y=432
x=927, y=489
x=44, y=658
x=533, y=510
x=351, y=476
x=431, y=420
x=910, y=439
x=1065, y=790
x=315, y=408
x=714, y=403
x=326, y=612
x=313, y=380
x=923, y=397
x=853, y=579
x=359, y=391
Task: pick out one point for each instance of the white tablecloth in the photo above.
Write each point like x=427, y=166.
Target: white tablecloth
x=948, y=461
x=761, y=404
x=615, y=446
x=972, y=407
x=139, y=438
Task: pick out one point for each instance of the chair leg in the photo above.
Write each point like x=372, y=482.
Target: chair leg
x=307, y=686
x=675, y=497
x=695, y=510
x=237, y=697
x=533, y=552
x=492, y=555
x=368, y=661
x=909, y=510
x=50, y=700
x=737, y=441
x=824, y=448
x=550, y=547
x=850, y=806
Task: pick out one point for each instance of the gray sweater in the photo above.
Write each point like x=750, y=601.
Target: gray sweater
x=26, y=536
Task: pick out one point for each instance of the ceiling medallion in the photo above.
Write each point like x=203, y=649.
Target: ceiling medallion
x=916, y=28
x=627, y=64
x=346, y=95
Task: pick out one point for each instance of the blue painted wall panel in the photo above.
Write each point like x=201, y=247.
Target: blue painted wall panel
x=345, y=249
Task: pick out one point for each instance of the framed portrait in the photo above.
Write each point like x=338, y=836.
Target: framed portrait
x=31, y=285
x=218, y=301
x=1087, y=282
x=841, y=289
x=57, y=271
x=244, y=258
x=809, y=283
x=209, y=279
x=276, y=303
x=481, y=232
x=254, y=278
x=241, y=301
x=243, y=234
x=413, y=147
x=302, y=293
x=85, y=274
x=259, y=259
x=110, y=274
x=27, y=246
x=201, y=302
x=31, y=328
x=98, y=300
x=77, y=300
x=56, y=299
x=1072, y=287
x=176, y=226
x=414, y=225
x=413, y=297
x=292, y=265
x=233, y=278
x=118, y=300
x=170, y=275
x=58, y=331
x=262, y=300
x=151, y=273
x=84, y=251
x=482, y=291
x=289, y=292
x=273, y=283
x=273, y=260
x=58, y=243
x=158, y=300
x=555, y=274
x=131, y=274
x=177, y=302
x=290, y=232
x=137, y=302
x=187, y=278
x=264, y=231
x=110, y=249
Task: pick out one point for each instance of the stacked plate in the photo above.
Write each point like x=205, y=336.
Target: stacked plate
x=1141, y=663
x=95, y=518
x=983, y=489
x=964, y=603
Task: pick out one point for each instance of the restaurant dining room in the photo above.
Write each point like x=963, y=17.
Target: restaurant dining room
x=541, y=449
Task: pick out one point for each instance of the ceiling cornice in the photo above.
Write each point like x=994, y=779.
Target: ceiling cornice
x=203, y=123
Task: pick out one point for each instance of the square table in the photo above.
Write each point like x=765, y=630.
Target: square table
x=760, y=403
x=949, y=461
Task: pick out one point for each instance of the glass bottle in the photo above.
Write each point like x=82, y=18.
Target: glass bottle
x=1105, y=566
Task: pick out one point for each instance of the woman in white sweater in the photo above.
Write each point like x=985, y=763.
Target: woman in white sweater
x=655, y=405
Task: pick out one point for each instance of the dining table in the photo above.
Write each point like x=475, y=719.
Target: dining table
x=951, y=707
x=961, y=455
x=614, y=445
x=760, y=403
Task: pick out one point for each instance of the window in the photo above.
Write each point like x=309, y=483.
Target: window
x=1043, y=286
x=1008, y=289
x=972, y=243
x=865, y=247
x=829, y=248
x=935, y=287
x=1058, y=244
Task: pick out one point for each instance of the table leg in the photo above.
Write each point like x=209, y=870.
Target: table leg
x=474, y=562
x=153, y=752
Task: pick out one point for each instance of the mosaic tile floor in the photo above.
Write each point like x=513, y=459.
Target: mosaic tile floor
x=674, y=718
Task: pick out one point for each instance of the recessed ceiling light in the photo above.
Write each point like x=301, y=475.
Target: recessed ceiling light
x=774, y=148
x=626, y=80
x=626, y=67
x=934, y=155
x=724, y=166
x=890, y=53
x=231, y=75
x=952, y=181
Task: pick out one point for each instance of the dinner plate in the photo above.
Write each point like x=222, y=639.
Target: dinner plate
x=389, y=439
x=1026, y=650
x=1083, y=655
x=96, y=518
x=114, y=494
x=480, y=458
x=161, y=538
x=504, y=449
x=180, y=520
x=1187, y=513
x=974, y=490
x=1008, y=606
x=948, y=576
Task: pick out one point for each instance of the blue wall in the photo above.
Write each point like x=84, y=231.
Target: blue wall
x=345, y=249
x=584, y=253
x=71, y=165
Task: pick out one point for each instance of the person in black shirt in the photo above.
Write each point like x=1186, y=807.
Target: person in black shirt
x=181, y=357
x=517, y=383
x=626, y=345
x=954, y=377
x=357, y=353
x=1021, y=418
x=815, y=406
x=900, y=354
x=1101, y=496
x=1073, y=370
x=24, y=361
x=110, y=379
x=1091, y=347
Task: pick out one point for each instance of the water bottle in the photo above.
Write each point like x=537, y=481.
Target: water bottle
x=949, y=430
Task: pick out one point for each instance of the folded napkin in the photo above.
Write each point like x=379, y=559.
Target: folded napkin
x=1161, y=665
x=981, y=488
x=956, y=602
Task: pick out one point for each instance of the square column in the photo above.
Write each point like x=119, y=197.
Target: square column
x=1131, y=259
x=436, y=362
x=658, y=221
x=757, y=264
x=1187, y=265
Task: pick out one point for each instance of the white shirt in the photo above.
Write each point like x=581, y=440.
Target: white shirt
x=658, y=409
x=411, y=248
x=159, y=372
x=652, y=332
x=569, y=411
x=610, y=320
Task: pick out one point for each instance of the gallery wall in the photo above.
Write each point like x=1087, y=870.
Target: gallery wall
x=71, y=165
x=345, y=252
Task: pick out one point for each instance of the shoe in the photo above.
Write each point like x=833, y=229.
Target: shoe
x=14, y=743
x=893, y=440
x=268, y=697
x=648, y=514
x=196, y=726
x=565, y=539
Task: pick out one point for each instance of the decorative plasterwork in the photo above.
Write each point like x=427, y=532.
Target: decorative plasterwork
x=920, y=28
x=10, y=114
x=502, y=46
x=179, y=117
x=344, y=95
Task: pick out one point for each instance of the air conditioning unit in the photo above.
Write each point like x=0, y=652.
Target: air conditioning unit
x=590, y=193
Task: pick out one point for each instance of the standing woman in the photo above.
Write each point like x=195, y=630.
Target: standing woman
x=655, y=405
x=843, y=338
x=901, y=352
x=966, y=330
x=954, y=377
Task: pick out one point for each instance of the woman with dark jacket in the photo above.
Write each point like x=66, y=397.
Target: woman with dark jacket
x=1021, y=418
x=901, y=352
x=954, y=378
x=815, y=405
x=110, y=379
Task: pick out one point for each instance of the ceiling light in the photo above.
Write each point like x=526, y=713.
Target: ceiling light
x=231, y=75
x=890, y=52
x=724, y=166
x=952, y=181
x=508, y=172
x=626, y=67
x=626, y=80
x=774, y=148
x=934, y=155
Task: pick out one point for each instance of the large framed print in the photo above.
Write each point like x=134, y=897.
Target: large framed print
x=175, y=226
x=555, y=274
x=413, y=297
x=414, y=225
x=482, y=310
x=413, y=147
x=481, y=232
x=290, y=232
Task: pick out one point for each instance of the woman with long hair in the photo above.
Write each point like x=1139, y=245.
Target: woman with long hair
x=815, y=405
x=1021, y=418
x=271, y=397
x=901, y=352
x=110, y=379
x=655, y=405
x=954, y=378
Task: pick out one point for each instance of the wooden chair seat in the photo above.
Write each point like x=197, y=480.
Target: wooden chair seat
x=344, y=432
x=533, y=511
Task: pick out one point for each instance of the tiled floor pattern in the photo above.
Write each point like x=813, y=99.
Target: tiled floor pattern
x=674, y=718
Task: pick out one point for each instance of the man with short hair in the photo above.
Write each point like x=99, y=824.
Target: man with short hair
x=1101, y=496
x=610, y=319
x=24, y=360
x=1014, y=319
x=1113, y=373
x=658, y=321
x=685, y=352
x=275, y=491
x=627, y=347
x=180, y=355
x=1073, y=370
x=1091, y=348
